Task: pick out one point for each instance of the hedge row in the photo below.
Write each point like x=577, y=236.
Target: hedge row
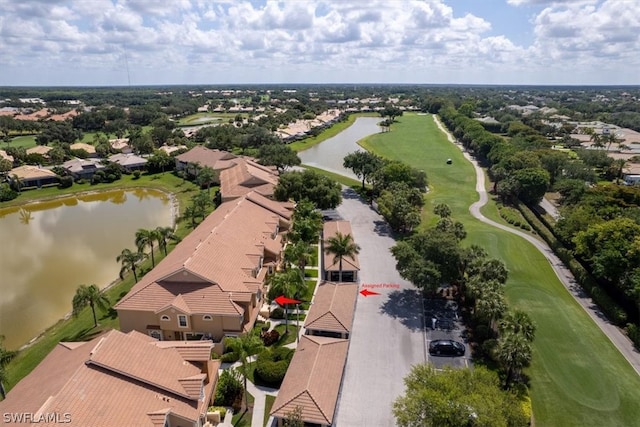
x=610, y=308
x=633, y=331
x=513, y=217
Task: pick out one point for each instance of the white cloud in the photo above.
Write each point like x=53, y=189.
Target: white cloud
x=301, y=40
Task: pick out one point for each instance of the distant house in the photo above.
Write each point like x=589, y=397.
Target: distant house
x=129, y=162
x=90, y=149
x=32, y=176
x=200, y=156
x=121, y=145
x=331, y=267
x=172, y=148
x=117, y=380
x=312, y=382
x=4, y=155
x=212, y=284
x=247, y=176
x=43, y=150
x=82, y=168
x=331, y=314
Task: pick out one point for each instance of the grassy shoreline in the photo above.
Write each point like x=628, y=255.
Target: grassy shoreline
x=577, y=375
x=81, y=328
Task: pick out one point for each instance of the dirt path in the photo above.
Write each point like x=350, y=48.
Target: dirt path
x=615, y=335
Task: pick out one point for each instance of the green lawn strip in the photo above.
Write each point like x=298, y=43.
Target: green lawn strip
x=268, y=404
x=286, y=338
x=81, y=328
x=311, y=287
x=26, y=141
x=329, y=132
x=577, y=375
x=344, y=180
x=243, y=418
x=311, y=273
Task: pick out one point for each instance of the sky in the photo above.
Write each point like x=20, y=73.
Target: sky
x=160, y=42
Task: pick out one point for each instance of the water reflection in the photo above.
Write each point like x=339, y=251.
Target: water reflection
x=329, y=154
x=49, y=248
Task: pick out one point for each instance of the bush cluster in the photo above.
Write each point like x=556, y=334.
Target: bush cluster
x=272, y=365
x=513, y=217
x=277, y=313
x=270, y=337
x=229, y=388
x=633, y=331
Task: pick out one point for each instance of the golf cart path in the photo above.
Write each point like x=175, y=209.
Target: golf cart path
x=615, y=335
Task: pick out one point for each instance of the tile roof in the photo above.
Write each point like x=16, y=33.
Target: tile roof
x=129, y=159
x=247, y=176
x=4, y=155
x=39, y=149
x=76, y=165
x=215, y=159
x=313, y=379
x=333, y=307
x=114, y=380
x=330, y=229
x=31, y=172
x=82, y=146
x=212, y=268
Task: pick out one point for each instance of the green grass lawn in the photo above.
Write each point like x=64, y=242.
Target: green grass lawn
x=268, y=404
x=311, y=287
x=207, y=118
x=311, y=273
x=578, y=378
x=344, y=180
x=81, y=328
x=287, y=338
x=243, y=418
x=26, y=141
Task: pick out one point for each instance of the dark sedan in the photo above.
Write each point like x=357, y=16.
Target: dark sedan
x=446, y=348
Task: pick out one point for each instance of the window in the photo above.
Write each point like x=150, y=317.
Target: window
x=182, y=321
x=165, y=318
x=207, y=317
x=155, y=334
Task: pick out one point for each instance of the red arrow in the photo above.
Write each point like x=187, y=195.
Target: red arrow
x=367, y=292
x=282, y=300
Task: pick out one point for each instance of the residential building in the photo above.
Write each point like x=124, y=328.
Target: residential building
x=247, y=176
x=90, y=149
x=331, y=265
x=4, y=155
x=121, y=145
x=39, y=149
x=331, y=314
x=212, y=284
x=82, y=168
x=32, y=176
x=129, y=162
x=200, y=156
x=117, y=380
x=312, y=382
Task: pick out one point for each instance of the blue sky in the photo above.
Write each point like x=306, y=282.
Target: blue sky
x=117, y=42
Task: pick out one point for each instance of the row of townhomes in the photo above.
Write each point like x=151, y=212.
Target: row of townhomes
x=157, y=370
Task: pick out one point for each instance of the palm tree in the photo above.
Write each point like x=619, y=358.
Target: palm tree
x=288, y=283
x=306, y=229
x=5, y=358
x=146, y=238
x=245, y=346
x=164, y=234
x=341, y=246
x=514, y=353
x=491, y=305
x=298, y=253
x=129, y=261
x=205, y=176
x=91, y=296
x=517, y=322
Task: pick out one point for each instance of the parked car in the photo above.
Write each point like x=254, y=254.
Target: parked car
x=446, y=348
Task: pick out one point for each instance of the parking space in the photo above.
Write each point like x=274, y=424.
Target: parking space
x=442, y=322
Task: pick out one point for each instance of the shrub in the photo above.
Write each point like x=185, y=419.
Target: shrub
x=271, y=366
x=65, y=182
x=513, y=217
x=221, y=409
x=277, y=313
x=270, y=337
x=229, y=388
x=229, y=357
x=634, y=333
x=6, y=193
x=136, y=174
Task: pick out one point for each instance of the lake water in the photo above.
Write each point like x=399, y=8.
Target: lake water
x=50, y=248
x=329, y=154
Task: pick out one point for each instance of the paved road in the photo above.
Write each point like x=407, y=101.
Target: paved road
x=388, y=331
x=617, y=337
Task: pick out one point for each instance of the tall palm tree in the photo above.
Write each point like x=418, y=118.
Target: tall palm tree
x=91, y=296
x=129, y=261
x=341, y=246
x=245, y=346
x=514, y=353
x=5, y=357
x=146, y=238
x=164, y=234
x=298, y=253
x=517, y=322
x=205, y=177
x=288, y=283
x=491, y=305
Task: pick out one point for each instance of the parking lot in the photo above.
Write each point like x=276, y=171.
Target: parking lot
x=442, y=322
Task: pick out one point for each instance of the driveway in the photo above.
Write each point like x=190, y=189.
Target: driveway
x=388, y=330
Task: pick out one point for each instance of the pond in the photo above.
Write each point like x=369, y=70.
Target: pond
x=329, y=154
x=50, y=248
